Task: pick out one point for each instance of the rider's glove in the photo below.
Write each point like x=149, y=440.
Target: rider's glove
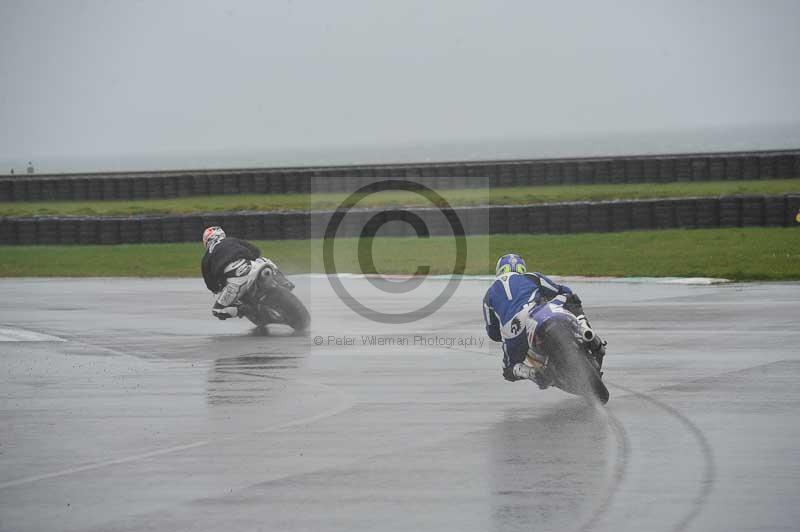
x=574, y=304
x=574, y=299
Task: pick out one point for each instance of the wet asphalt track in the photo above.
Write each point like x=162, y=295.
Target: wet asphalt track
x=152, y=416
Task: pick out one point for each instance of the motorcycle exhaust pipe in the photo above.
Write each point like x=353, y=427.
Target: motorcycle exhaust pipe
x=587, y=333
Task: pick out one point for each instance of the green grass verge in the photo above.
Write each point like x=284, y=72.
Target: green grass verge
x=493, y=196
x=738, y=254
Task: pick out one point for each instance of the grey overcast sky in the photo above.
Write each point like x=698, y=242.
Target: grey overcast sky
x=91, y=85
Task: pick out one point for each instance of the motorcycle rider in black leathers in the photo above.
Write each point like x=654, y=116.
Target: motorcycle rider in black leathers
x=226, y=265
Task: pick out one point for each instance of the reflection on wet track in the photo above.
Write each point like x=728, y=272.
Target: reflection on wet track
x=249, y=378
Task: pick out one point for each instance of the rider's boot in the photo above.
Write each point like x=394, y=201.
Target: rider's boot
x=524, y=371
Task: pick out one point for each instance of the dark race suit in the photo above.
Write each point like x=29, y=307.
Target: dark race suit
x=219, y=255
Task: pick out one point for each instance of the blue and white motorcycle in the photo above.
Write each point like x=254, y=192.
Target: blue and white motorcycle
x=560, y=351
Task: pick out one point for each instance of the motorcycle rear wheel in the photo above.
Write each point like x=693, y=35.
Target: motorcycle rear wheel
x=578, y=374
x=281, y=306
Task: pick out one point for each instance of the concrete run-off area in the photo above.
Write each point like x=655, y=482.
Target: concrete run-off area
x=126, y=406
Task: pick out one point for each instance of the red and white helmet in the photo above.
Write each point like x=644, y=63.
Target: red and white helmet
x=211, y=235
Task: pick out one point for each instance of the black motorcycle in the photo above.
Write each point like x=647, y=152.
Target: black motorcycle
x=269, y=299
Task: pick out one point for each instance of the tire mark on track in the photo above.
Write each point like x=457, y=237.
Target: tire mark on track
x=623, y=453
x=623, y=444
x=709, y=464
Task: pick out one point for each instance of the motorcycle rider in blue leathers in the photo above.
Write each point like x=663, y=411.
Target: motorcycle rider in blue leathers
x=505, y=310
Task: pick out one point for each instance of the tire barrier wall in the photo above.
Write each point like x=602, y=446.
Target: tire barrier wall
x=619, y=170
x=573, y=217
